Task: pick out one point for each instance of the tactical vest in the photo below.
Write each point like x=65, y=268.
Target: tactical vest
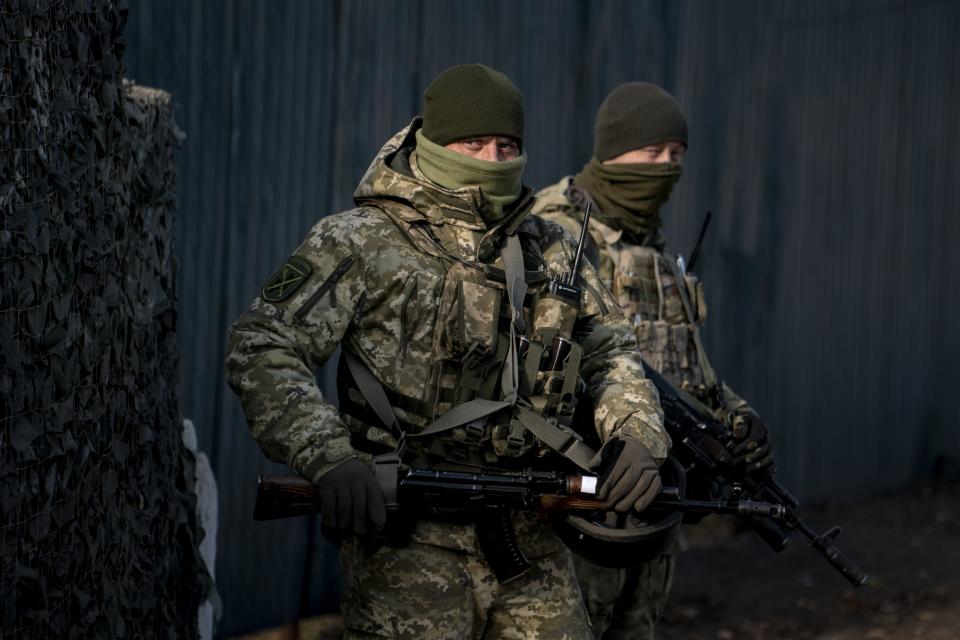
x=667, y=307
x=479, y=343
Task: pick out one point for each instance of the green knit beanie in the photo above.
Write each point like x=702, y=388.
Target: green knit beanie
x=472, y=100
x=635, y=115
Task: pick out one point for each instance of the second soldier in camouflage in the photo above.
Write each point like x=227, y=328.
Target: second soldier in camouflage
x=640, y=138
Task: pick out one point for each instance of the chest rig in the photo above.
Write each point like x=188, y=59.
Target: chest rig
x=506, y=365
x=666, y=306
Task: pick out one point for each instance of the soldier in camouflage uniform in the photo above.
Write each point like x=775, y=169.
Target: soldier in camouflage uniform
x=640, y=139
x=435, y=288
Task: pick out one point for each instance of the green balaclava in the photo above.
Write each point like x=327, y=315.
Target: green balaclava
x=469, y=101
x=500, y=182
x=629, y=195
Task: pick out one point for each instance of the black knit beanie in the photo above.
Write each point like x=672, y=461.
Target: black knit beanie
x=472, y=100
x=635, y=115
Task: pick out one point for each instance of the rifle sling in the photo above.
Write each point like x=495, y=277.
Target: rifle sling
x=560, y=439
x=373, y=392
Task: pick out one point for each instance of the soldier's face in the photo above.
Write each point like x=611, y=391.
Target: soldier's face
x=492, y=148
x=662, y=152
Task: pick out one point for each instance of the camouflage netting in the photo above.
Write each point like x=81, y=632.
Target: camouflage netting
x=97, y=530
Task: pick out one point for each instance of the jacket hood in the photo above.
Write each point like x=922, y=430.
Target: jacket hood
x=390, y=177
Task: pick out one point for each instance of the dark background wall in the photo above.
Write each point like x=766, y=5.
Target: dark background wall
x=824, y=139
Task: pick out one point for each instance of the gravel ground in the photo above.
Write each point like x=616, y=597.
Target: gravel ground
x=908, y=542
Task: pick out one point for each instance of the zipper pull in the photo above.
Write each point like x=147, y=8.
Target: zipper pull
x=433, y=235
x=341, y=269
x=328, y=284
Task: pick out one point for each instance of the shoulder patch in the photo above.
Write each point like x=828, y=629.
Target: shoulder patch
x=287, y=280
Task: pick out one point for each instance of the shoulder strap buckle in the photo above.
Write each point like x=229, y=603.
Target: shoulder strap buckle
x=386, y=468
x=474, y=431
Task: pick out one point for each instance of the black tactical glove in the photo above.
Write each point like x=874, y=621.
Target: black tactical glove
x=750, y=444
x=351, y=502
x=629, y=476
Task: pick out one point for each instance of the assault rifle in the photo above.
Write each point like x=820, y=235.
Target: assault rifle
x=699, y=443
x=487, y=498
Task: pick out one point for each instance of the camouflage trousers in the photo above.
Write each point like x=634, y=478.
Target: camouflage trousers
x=625, y=603
x=428, y=591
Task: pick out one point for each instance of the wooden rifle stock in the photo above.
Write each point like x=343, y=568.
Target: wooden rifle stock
x=285, y=497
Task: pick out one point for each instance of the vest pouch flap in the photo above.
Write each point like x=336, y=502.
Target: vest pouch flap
x=673, y=311
x=671, y=349
x=635, y=283
x=653, y=338
x=646, y=285
x=551, y=315
x=697, y=298
x=680, y=347
x=469, y=316
x=479, y=317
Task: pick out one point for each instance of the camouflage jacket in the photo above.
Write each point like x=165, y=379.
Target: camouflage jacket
x=643, y=280
x=372, y=280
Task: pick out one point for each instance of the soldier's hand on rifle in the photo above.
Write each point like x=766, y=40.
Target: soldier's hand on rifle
x=351, y=501
x=750, y=444
x=629, y=477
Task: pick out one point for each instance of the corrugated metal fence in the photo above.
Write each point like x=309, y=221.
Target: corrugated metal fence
x=824, y=138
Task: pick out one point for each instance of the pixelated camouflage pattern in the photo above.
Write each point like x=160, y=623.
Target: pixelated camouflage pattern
x=426, y=591
x=550, y=312
x=643, y=283
x=468, y=315
x=625, y=604
x=376, y=288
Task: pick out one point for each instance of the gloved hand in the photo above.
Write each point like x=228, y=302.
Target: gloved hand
x=629, y=476
x=750, y=444
x=351, y=502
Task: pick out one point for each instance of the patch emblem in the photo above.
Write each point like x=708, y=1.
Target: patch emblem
x=285, y=282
